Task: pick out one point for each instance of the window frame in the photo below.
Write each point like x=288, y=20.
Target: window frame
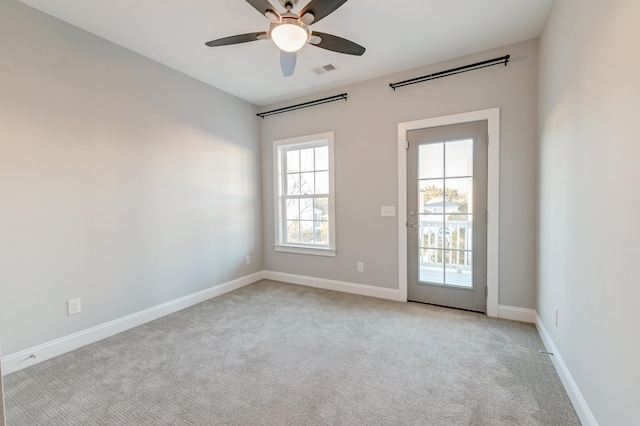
x=280, y=147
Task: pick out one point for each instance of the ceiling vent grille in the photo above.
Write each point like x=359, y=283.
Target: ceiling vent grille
x=324, y=69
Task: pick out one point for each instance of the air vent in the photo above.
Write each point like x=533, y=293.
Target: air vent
x=324, y=69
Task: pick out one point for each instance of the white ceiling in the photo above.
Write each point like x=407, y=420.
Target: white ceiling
x=398, y=36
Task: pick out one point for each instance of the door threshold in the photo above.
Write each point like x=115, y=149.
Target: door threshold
x=447, y=307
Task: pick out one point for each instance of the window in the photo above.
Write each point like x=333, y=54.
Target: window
x=304, y=192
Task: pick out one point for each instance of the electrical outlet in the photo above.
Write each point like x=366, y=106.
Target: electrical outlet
x=360, y=266
x=73, y=306
x=555, y=315
x=247, y=260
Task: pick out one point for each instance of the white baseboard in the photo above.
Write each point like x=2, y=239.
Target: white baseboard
x=345, y=287
x=36, y=354
x=517, y=314
x=579, y=404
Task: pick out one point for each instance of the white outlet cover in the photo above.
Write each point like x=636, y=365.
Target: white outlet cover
x=73, y=306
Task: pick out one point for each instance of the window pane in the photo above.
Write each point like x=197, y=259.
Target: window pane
x=458, y=193
x=306, y=209
x=431, y=268
x=431, y=198
x=458, y=270
x=322, y=158
x=293, y=161
x=293, y=209
x=306, y=232
x=306, y=159
x=321, y=230
x=293, y=184
x=431, y=160
x=321, y=208
x=460, y=228
x=322, y=183
x=431, y=226
x=440, y=237
x=459, y=158
x=306, y=183
x=293, y=231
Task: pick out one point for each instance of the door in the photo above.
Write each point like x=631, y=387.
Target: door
x=447, y=214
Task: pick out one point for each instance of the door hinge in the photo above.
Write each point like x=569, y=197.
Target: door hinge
x=486, y=216
x=406, y=144
x=486, y=292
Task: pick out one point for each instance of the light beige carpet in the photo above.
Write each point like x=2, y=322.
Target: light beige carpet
x=279, y=354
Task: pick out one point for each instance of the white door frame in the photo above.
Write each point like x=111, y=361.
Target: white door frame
x=493, y=196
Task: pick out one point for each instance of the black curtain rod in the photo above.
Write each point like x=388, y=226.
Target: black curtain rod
x=478, y=65
x=303, y=105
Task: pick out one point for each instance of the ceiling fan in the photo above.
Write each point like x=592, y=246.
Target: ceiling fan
x=290, y=32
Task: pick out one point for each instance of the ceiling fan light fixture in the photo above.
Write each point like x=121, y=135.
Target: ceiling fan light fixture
x=289, y=35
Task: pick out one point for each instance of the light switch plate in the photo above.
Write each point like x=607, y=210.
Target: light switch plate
x=388, y=210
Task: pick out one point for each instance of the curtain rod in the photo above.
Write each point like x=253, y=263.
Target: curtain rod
x=453, y=71
x=303, y=105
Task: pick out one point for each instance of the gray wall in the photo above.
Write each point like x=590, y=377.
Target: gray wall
x=122, y=182
x=588, y=199
x=367, y=174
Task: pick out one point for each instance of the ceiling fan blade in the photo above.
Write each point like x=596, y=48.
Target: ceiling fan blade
x=263, y=6
x=288, y=62
x=336, y=44
x=242, y=38
x=319, y=9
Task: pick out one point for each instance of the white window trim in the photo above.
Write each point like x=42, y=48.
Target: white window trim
x=329, y=251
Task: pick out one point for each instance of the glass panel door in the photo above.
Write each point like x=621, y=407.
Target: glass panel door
x=447, y=204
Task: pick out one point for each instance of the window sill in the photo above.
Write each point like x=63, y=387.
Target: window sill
x=314, y=251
